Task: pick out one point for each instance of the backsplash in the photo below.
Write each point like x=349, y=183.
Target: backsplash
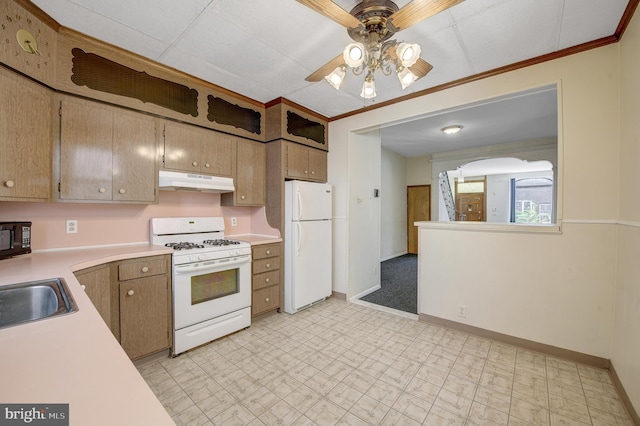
x=106, y=224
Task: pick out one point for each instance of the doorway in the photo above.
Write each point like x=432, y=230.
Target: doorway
x=418, y=210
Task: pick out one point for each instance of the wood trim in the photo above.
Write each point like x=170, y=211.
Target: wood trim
x=496, y=71
x=38, y=13
x=292, y=104
x=626, y=401
x=339, y=296
x=626, y=18
x=543, y=348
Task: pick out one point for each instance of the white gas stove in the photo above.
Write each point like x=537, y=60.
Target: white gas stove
x=211, y=279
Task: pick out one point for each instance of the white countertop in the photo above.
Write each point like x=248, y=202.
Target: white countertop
x=74, y=358
x=255, y=239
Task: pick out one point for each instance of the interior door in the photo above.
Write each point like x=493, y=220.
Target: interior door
x=470, y=207
x=418, y=209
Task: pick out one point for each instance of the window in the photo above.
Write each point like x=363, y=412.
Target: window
x=532, y=200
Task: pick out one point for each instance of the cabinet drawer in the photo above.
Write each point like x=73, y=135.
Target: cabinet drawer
x=265, y=299
x=266, y=250
x=266, y=279
x=141, y=268
x=265, y=265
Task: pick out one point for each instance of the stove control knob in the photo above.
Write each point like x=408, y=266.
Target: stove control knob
x=201, y=257
x=192, y=258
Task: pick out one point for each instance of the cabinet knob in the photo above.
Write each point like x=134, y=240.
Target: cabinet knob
x=84, y=287
x=266, y=299
x=267, y=251
x=306, y=172
x=312, y=172
x=194, y=164
x=102, y=190
x=122, y=191
x=268, y=265
x=242, y=197
x=207, y=165
x=266, y=280
x=9, y=184
x=145, y=269
x=131, y=292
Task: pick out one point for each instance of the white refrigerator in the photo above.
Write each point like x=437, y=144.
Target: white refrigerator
x=307, y=244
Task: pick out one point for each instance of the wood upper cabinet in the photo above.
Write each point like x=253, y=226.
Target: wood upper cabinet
x=25, y=139
x=106, y=153
x=250, y=179
x=192, y=149
x=303, y=162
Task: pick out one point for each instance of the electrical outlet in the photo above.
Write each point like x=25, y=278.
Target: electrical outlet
x=234, y=221
x=462, y=311
x=72, y=226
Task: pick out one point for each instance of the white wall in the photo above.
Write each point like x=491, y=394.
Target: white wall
x=626, y=334
x=393, y=202
x=419, y=170
x=566, y=297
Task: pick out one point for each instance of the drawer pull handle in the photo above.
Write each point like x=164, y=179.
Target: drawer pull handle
x=122, y=191
x=242, y=197
x=207, y=165
x=131, y=292
x=268, y=251
x=266, y=280
x=145, y=269
x=266, y=299
x=102, y=190
x=194, y=164
x=268, y=265
x=9, y=184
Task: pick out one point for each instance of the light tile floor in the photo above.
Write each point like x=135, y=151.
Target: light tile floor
x=341, y=363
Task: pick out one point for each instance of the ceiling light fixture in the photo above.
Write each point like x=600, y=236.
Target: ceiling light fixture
x=452, y=130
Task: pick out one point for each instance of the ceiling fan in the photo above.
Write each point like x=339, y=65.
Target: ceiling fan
x=371, y=24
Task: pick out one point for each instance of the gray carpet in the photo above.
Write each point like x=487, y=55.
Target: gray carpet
x=399, y=282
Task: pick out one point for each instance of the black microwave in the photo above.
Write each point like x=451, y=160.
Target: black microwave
x=15, y=239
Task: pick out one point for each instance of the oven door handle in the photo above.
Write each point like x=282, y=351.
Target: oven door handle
x=212, y=264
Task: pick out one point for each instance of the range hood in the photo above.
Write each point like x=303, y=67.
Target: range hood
x=178, y=181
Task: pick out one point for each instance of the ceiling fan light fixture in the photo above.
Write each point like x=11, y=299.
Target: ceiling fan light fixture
x=406, y=77
x=408, y=53
x=354, y=54
x=336, y=78
x=368, y=88
x=452, y=130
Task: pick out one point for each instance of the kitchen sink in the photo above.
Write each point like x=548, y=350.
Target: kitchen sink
x=33, y=301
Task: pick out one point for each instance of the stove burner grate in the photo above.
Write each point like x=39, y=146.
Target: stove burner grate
x=220, y=242
x=184, y=246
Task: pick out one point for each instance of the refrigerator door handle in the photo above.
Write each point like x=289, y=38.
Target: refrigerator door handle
x=299, y=199
x=299, y=240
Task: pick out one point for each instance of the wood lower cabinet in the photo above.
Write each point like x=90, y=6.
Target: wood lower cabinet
x=25, y=139
x=133, y=297
x=266, y=278
x=250, y=179
x=106, y=153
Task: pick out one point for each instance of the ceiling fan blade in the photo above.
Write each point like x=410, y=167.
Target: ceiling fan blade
x=420, y=68
x=326, y=69
x=333, y=12
x=416, y=11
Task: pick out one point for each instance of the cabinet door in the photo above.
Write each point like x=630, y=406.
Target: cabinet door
x=251, y=173
x=25, y=138
x=97, y=284
x=182, y=147
x=86, y=134
x=317, y=165
x=297, y=161
x=144, y=315
x=218, y=153
x=134, y=157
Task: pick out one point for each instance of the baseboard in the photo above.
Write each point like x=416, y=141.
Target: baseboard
x=623, y=395
x=567, y=354
x=393, y=256
x=339, y=296
x=368, y=291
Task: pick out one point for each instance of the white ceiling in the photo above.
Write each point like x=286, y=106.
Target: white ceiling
x=264, y=49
